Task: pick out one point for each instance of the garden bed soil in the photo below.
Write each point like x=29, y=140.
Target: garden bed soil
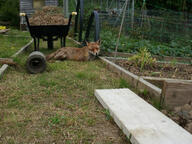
x=162, y=70
x=49, y=15
x=182, y=115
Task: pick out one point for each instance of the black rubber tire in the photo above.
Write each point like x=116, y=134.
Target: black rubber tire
x=36, y=63
x=94, y=18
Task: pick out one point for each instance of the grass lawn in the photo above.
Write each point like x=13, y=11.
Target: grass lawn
x=59, y=105
x=10, y=44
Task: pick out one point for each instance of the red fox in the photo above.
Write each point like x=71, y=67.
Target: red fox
x=77, y=54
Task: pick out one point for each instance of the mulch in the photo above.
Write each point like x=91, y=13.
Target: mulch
x=48, y=15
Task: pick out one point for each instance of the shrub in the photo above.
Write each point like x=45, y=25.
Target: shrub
x=143, y=59
x=9, y=11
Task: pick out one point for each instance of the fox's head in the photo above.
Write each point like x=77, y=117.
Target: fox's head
x=94, y=47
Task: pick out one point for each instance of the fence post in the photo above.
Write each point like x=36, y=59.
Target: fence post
x=133, y=14
x=66, y=8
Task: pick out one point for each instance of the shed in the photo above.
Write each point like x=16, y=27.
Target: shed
x=29, y=7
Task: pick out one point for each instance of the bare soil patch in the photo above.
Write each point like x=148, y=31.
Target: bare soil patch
x=182, y=115
x=162, y=70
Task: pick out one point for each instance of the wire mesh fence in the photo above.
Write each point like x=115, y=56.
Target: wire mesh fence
x=162, y=31
x=156, y=25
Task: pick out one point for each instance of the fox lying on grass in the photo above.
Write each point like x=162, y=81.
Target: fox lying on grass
x=78, y=54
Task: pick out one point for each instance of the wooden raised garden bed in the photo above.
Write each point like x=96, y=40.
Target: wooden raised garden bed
x=175, y=95
x=159, y=80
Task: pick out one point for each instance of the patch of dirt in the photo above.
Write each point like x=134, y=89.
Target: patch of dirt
x=162, y=70
x=182, y=115
x=49, y=15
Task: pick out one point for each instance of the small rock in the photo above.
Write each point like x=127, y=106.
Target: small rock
x=177, y=109
x=189, y=127
x=176, y=119
x=184, y=114
x=190, y=114
x=190, y=103
x=187, y=107
x=164, y=112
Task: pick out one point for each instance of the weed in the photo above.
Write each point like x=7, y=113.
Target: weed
x=55, y=120
x=46, y=81
x=129, y=138
x=14, y=101
x=173, y=62
x=144, y=94
x=10, y=141
x=143, y=59
x=81, y=75
x=108, y=115
x=156, y=103
x=123, y=83
x=91, y=121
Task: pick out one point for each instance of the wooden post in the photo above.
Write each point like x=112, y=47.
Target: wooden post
x=176, y=93
x=122, y=22
x=107, y=4
x=118, y=4
x=66, y=8
x=133, y=14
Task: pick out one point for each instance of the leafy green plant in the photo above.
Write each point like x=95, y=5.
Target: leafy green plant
x=143, y=59
x=123, y=83
x=57, y=119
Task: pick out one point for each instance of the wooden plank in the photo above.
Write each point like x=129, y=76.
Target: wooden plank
x=4, y=31
x=5, y=66
x=159, y=82
x=3, y=69
x=23, y=48
x=140, y=121
x=137, y=82
x=176, y=93
x=78, y=43
x=165, y=79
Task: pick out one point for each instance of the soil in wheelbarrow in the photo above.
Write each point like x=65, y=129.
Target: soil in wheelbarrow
x=162, y=70
x=48, y=15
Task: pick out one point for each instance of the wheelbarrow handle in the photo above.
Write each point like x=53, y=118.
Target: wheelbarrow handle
x=26, y=17
x=70, y=17
x=27, y=20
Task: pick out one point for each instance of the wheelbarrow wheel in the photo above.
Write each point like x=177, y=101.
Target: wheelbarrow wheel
x=36, y=63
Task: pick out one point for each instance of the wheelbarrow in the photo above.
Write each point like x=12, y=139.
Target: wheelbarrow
x=36, y=62
x=48, y=33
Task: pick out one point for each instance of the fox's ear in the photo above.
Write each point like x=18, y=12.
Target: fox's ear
x=87, y=43
x=98, y=42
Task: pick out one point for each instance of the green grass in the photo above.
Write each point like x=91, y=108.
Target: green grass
x=11, y=44
x=57, y=106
